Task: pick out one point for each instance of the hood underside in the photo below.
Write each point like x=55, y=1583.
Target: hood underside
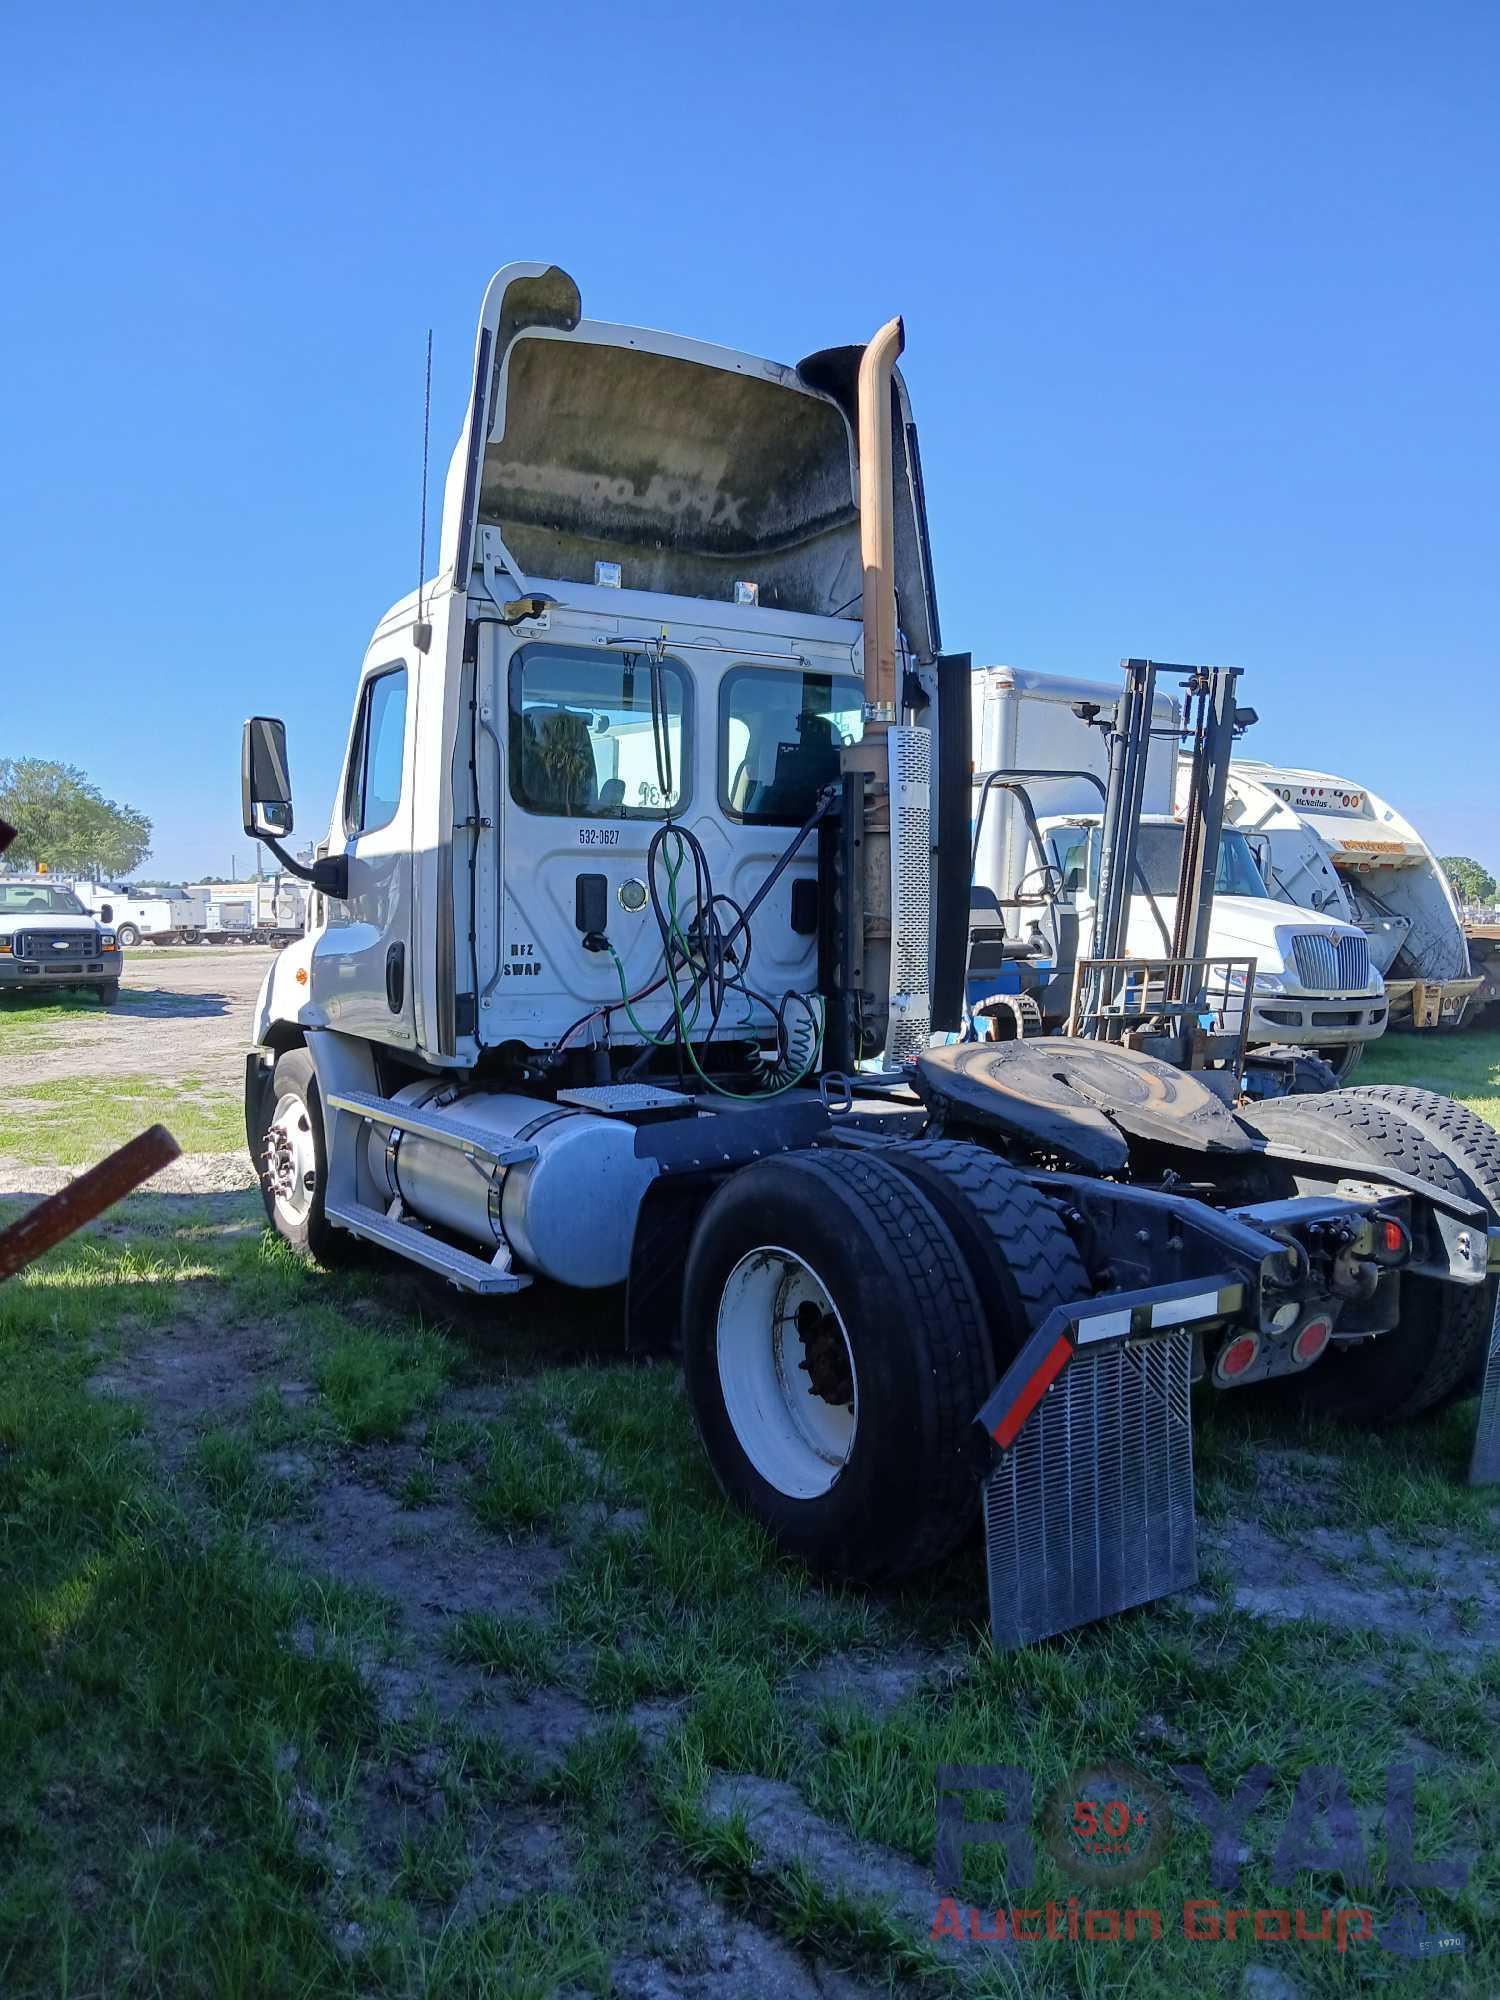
x=691, y=466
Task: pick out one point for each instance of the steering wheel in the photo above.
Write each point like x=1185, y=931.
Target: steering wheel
x=1054, y=885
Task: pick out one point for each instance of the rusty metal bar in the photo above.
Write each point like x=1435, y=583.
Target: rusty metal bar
x=46, y=1225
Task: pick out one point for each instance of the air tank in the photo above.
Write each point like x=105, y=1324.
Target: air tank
x=569, y=1214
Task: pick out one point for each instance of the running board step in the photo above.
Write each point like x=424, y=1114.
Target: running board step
x=471, y=1274
x=430, y=1124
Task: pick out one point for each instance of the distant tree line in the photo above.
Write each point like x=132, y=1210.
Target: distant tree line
x=1473, y=884
x=65, y=824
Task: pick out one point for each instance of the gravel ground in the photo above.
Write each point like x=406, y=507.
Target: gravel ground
x=177, y=1017
x=186, y=1016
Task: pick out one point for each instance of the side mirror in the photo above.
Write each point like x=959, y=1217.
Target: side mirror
x=106, y=913
x=265, y=785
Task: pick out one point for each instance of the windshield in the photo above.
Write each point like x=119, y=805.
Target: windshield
x=30, y=899
x=1159, y=853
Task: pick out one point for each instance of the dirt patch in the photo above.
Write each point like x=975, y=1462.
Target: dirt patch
x=709, y=1954
x=192, y=1173
x=434, y=1565
x=788, y=1835
x=193, y=1379
x=879, y=1686
x=176, y=1017
x=1447, y=1597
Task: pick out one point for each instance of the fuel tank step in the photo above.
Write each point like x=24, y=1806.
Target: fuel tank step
x=436, y=1124
x=471, y=1274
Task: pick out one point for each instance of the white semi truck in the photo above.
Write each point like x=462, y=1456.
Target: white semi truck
x=1038, y=851
x=1342, y=850
x=547, y=1024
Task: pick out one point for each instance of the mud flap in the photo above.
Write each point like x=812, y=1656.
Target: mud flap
x=1484, y=1466
x=1089, y=1509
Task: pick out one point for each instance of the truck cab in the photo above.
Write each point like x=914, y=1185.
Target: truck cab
x=1314, y=984
x=1040, y=760
x=48, y=939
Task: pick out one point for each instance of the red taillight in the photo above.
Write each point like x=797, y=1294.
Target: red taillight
x=1239, y=1355
x=1392, y=1237
x=1311, y=1341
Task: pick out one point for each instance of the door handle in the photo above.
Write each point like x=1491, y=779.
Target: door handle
x=395, y=977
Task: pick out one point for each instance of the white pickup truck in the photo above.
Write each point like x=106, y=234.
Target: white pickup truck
x=1315, y=985
x=48, y=939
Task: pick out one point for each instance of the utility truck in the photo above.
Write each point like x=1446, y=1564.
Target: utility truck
x=639, y=925
x=162, y=914
x=1316, y=1000
x=48, y=940
x=1341, y=849
x=257, y=912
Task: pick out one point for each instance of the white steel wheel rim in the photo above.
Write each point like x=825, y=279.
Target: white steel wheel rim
x=796, y=1435
x=291, y=1164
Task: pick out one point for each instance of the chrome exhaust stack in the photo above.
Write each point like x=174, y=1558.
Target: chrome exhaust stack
x=896, y=760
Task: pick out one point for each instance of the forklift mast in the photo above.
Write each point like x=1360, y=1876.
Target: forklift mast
x=1211, y=721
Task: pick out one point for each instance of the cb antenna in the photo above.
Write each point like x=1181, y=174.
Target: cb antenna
x=423, y=631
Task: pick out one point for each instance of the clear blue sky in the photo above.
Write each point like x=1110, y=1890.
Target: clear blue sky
x=1201, y=305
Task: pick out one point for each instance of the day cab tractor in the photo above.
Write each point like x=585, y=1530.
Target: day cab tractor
x=637, y=957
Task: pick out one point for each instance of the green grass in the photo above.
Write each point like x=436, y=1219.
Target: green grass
x=1465, y=1066
x=195, y=1768
x=71, y=1122
x=31, y=1024
x=520, y=1648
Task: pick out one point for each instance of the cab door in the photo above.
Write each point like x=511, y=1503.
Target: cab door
x=361, y=964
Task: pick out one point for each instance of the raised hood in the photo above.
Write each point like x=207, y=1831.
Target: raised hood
x=691, y=466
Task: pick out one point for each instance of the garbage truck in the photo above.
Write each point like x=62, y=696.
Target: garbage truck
x=636, y=959
x=1316, y=999
x=1343, y=850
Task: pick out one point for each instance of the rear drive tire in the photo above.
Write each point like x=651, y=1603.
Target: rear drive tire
x=1469, y=1141
x=1012, y=1238
x=836, y=1353
x=1432, y=1356
x=291, y=1158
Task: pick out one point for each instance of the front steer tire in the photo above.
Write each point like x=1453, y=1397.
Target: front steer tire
x=304, y=1226
x=1435, y=1352
x=917, y=1346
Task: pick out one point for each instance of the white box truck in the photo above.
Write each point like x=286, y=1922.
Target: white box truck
x=1342, y=850
x=1316, y=988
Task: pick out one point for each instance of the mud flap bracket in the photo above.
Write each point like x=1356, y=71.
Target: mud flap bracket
x=1089, y=1508
x=1484, y=1466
